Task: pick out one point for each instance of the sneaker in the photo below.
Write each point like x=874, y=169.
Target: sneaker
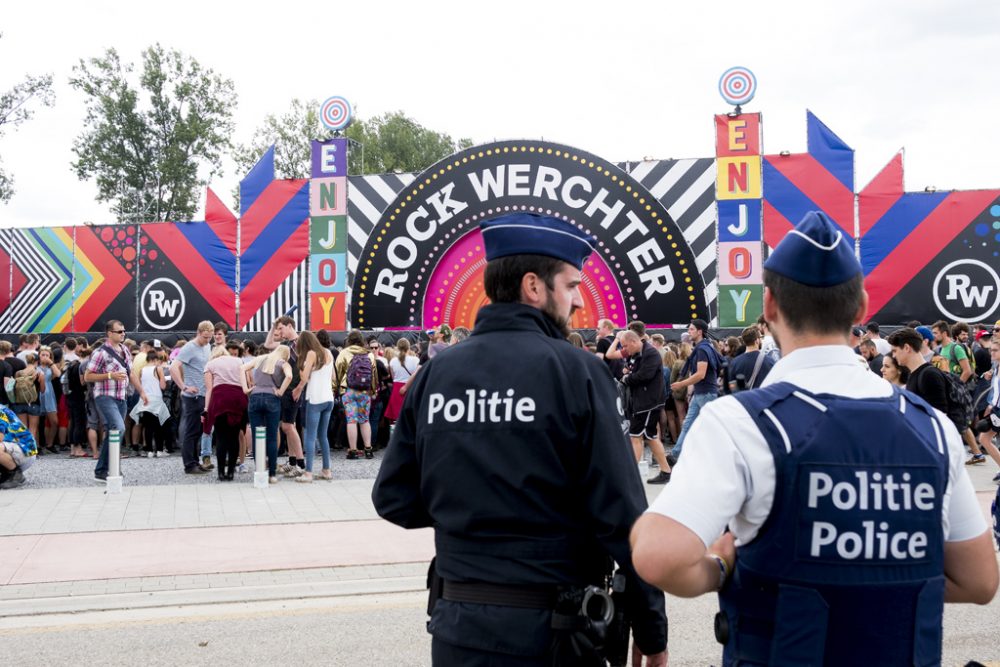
x=368, y=453
x=241, y=468
x=149, y=455
x=16, y=480
x=272, y=480
x=195, y=470
x=162, y=454
x=285, y=468
x=100, y=479
x=661, y=478
x=975, y=460
x=352, y=454
x=672, y=460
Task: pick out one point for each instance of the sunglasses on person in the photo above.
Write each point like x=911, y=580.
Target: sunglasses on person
x=374, y=346
x=119, y=331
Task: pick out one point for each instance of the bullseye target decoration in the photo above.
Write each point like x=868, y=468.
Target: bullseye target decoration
x=737, y=85
x=335, y=113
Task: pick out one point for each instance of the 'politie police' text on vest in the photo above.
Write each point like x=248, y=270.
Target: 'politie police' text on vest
x=838, y=496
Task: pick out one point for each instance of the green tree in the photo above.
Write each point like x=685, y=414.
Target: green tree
x=395, y=143
x=290, y=133
x=16, y=108
x=152, y=147
x=387, y=143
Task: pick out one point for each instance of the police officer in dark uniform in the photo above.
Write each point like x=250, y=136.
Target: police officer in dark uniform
x=852, y=518
x=511, y=446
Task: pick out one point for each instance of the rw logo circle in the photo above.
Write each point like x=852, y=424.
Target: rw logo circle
x=967, y=290
x=162, y=304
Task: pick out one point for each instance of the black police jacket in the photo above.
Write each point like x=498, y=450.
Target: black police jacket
x=511, y=445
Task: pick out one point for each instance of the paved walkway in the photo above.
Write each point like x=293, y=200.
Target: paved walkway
x=83, y=549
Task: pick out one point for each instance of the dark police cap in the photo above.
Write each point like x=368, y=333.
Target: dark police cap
x=530, y=234
x=815, y=253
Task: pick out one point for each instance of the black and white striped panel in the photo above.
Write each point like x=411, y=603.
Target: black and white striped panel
x=42, y=281
x=367, y=197
x=6, y=279
x=686, y=188
x=293, y=290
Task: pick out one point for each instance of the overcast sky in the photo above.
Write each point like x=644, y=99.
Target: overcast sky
x=624, y=80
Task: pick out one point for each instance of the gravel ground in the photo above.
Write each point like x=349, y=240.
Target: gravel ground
x=61, y=471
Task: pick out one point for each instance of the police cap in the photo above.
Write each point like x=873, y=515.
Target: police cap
x=815, y=253
x=531, y=234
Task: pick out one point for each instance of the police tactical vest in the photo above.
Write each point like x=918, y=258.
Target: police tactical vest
x=848, y=567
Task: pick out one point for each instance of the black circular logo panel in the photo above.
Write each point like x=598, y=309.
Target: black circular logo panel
x=423, y=261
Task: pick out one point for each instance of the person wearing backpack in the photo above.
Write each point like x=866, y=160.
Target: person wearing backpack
x=959, y=363
x=25, y=390
x=702, y=369
x=939, y=388
x=356, y=375
x=76, y=398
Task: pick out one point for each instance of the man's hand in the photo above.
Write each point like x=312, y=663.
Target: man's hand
x=190, y=390
x=725, y=548
x=674, y=386
x=655, y=660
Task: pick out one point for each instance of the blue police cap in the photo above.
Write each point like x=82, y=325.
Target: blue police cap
x=815, y=253
x=530, y=234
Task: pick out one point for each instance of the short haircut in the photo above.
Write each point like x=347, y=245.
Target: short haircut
x=502, y=278
x=906, y=336
x=5, y=347
x=958, y=328
x=458, y=334
x=233, y=344
x=285, y=320
x=111, y=325
x=750, y=336
x=868, y=342
x=913, y=324
x=205, y=325
x=637, y=326
x=819, y=310
x=872, y=327
x=221, y=326
x=70, y=343
x=943, y=327
x=631, y=335
x=658, y=338
x=606, y=324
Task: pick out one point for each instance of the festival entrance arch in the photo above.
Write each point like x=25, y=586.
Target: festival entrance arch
x=423, y=262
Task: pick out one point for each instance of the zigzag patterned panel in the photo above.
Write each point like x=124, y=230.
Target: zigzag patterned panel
x=45, y=301
x=686, y=188
x=367, y=197
x=294, y=290
x=6, y=274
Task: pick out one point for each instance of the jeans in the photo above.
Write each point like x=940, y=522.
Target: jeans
x=374, y=417
x=112, y=413
x=317, y=422
x=698, y=401
x=265, y=410
x=190, y=429
x=206, y=444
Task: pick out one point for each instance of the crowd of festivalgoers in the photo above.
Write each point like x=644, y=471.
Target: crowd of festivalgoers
x=206, y=394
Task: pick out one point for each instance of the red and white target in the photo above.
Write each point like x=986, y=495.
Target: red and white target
x=737, y=85
x=335, y=113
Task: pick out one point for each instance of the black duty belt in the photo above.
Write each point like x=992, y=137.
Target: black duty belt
x=524, y=597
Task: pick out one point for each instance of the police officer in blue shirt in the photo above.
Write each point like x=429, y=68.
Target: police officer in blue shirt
x=512, y=447
x=852, y=518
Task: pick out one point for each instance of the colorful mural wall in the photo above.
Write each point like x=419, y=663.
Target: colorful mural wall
x=679, y=239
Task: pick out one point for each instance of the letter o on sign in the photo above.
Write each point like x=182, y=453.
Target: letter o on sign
x=740, y=263
x=327, y=272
